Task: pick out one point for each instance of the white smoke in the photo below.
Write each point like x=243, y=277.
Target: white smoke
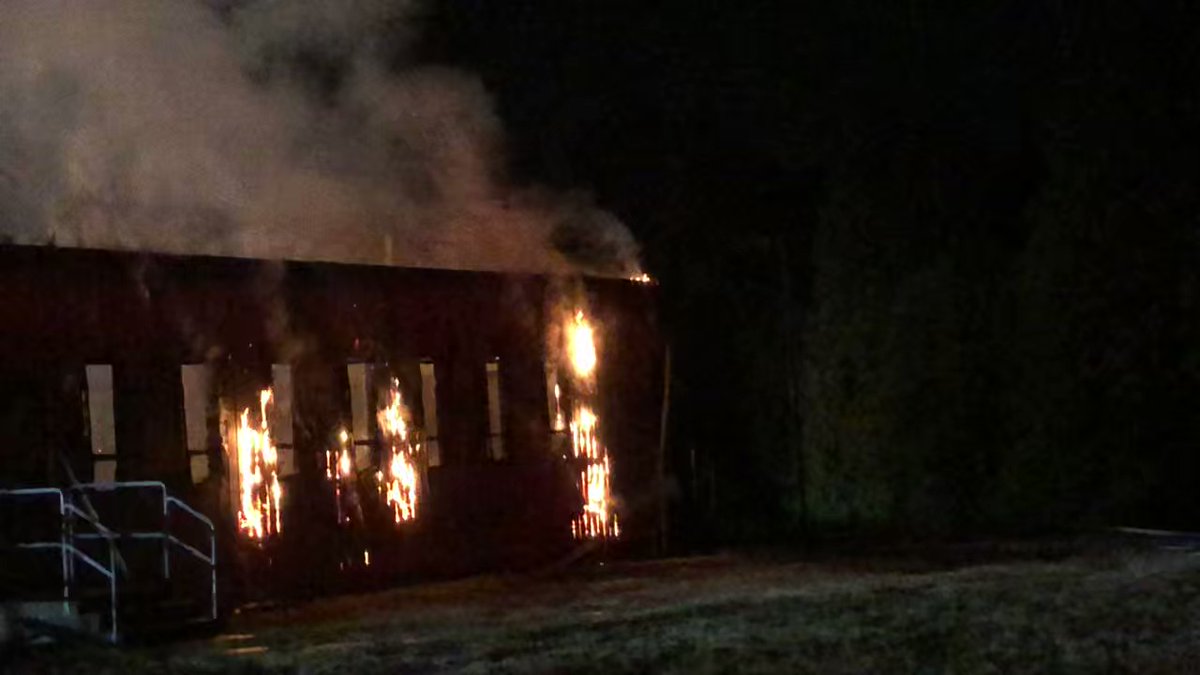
x=167, y=125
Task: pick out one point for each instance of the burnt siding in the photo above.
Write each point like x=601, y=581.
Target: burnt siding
x=63, y=308
x=148, y=314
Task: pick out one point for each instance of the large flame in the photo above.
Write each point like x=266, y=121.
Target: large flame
x=581, y=346
x=401, y=480
x=598, y=518
x=258, y=461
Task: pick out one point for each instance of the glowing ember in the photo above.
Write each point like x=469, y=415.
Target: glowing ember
x=581, y=346
x=260, y=492
x=598, y=518
x=401, y=480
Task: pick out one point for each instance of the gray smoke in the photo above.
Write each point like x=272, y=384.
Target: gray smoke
x=177, y=126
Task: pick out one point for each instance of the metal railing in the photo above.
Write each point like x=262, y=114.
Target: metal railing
x=168, y=504
x=68, y=512
x=69, y=553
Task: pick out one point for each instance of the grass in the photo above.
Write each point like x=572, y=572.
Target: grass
x=1123, y=610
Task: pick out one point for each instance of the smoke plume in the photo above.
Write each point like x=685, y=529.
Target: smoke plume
x=183, y=126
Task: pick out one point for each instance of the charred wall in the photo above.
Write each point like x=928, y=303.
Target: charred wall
x=147, y=315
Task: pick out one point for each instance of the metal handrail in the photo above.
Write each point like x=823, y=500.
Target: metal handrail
x=35, y=492
x=67, y=537
x=169, y=501
x=197, y=553
x=109, y=573
x=64, y=548
x=187, y=509
x=101, y=530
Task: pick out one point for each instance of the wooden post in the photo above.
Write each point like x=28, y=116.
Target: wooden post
x=661, y=462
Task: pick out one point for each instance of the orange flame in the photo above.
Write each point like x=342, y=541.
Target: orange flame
x=260, y=491
x=339, y=467
x=598, y=518
x=581, y=346
x=401, y=480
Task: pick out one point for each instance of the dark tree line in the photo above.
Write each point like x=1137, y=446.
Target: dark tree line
x=927, y=267
x=1002, y=332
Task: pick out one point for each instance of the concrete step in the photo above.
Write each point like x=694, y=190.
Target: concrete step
x=55, y=620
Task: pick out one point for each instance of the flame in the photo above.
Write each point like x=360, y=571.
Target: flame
x=581, y=346
x=559, y=423
x=339, y=468
x=598, y=518
x=391, y=417
x=641, y=278
x=260, y=491
x=402, y=492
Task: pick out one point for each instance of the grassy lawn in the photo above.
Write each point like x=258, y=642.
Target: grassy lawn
x=1124, y=610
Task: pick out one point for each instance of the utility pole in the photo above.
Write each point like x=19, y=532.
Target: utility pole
x=792, y=375
x=661, y=460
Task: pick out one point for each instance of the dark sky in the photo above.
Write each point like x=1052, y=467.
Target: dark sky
x=630, y=99
x=698, y=115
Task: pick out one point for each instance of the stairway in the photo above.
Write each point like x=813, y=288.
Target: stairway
x=123, y=562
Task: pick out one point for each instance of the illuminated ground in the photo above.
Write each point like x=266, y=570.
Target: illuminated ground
x=1126, y=610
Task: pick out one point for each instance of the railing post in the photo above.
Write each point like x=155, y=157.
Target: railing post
x=112, y=592
x=212, y=558
x=70, y=539
x=62, y=540
x=166, y=543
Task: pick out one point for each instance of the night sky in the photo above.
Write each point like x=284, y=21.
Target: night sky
x=643, y=104
x=926, y=268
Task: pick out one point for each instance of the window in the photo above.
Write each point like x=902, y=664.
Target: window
x=101, y=422
x=495, y=442
x=359, y=376
x=429, y=405
x=197, y=403
x=559, y=437
x=281, y=419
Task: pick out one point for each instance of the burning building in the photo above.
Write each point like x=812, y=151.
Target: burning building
x=315, y=320
x=339, y=424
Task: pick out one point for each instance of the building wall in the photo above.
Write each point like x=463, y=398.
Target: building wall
x=146, y=315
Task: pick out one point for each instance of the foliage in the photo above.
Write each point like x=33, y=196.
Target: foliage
x=925, y=268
